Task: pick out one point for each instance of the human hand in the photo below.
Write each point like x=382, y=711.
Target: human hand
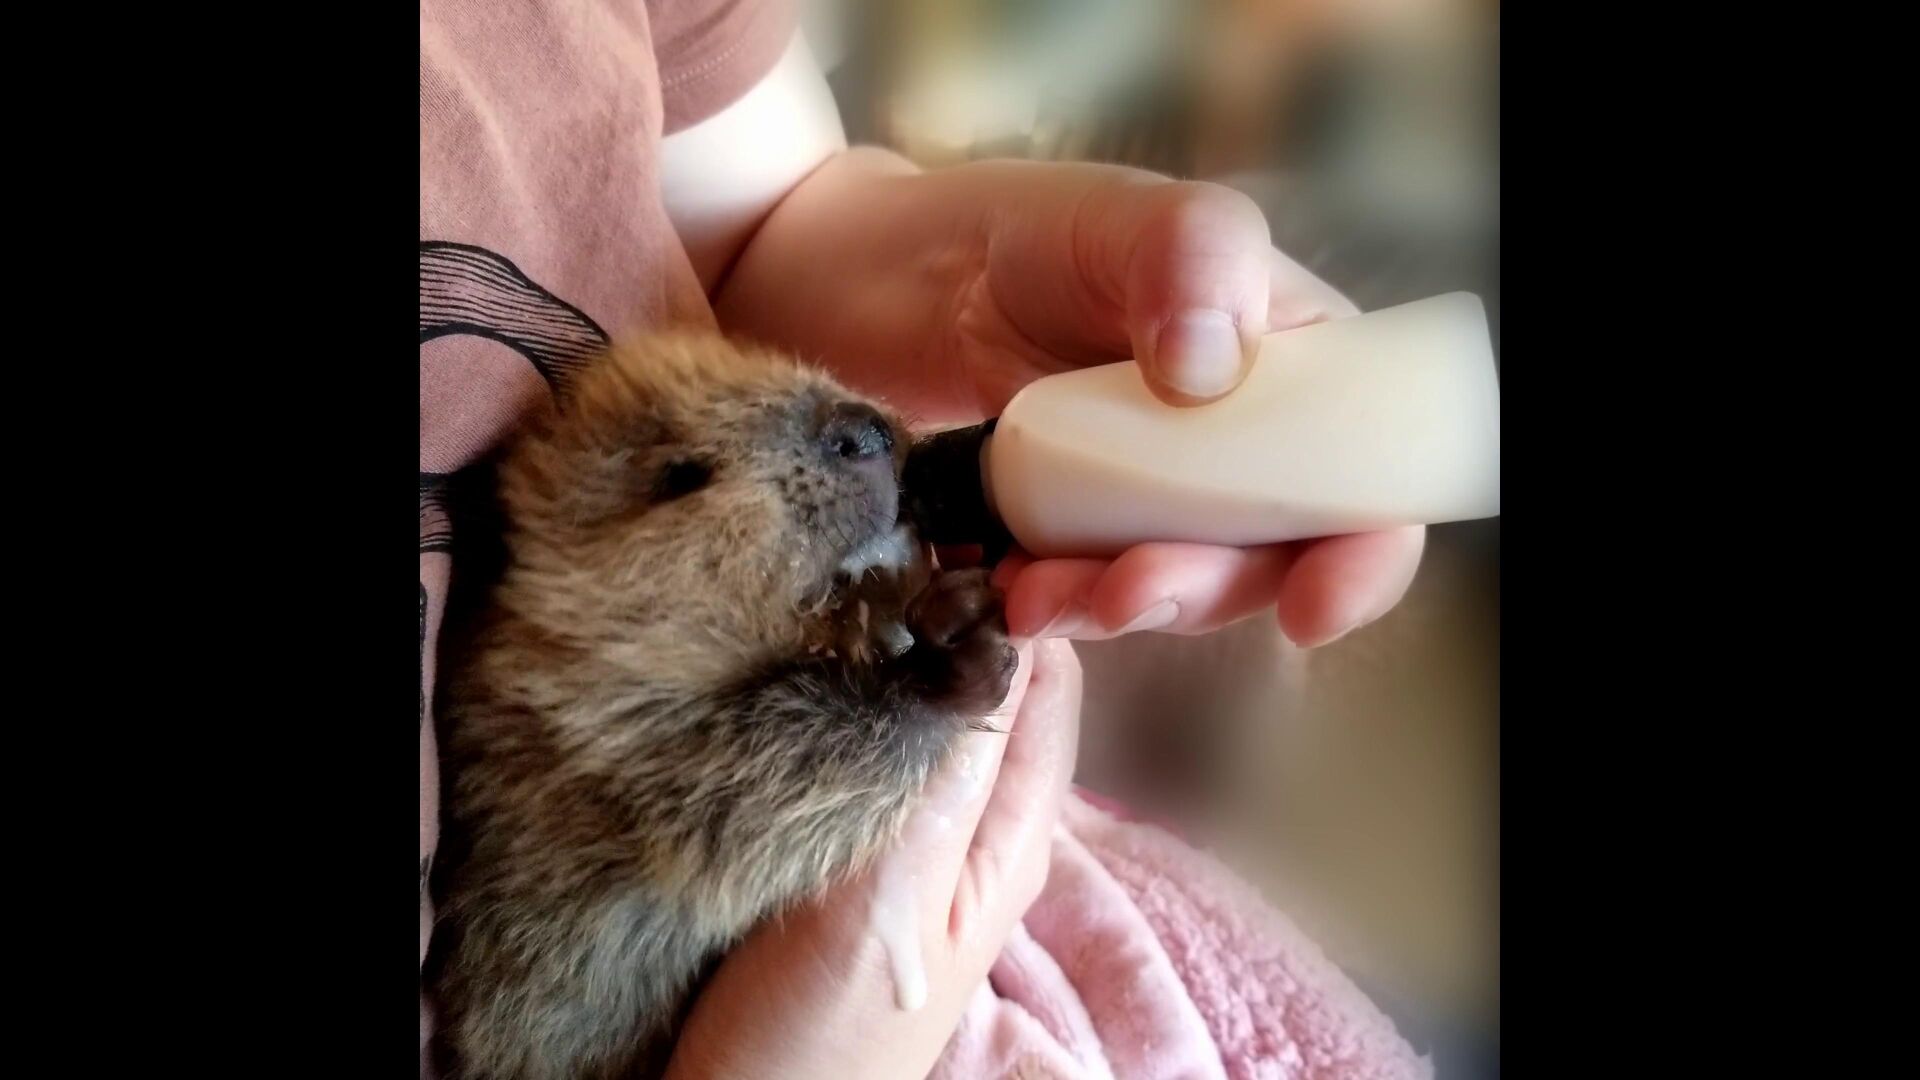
x=812, y=994
x=1183, y=276
x=946, y=292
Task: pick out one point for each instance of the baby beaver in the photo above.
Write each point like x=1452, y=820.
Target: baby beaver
x=714, y=671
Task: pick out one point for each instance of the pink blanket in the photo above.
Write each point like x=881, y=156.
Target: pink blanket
x=1145, y=959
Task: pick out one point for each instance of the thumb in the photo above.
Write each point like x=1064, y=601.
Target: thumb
x=1194, y=262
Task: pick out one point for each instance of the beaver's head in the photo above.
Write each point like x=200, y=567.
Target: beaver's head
x=693, y=487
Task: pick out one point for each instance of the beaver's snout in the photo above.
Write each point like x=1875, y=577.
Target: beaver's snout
x=857, y=444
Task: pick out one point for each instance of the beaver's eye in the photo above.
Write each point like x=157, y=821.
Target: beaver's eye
x=682, y=478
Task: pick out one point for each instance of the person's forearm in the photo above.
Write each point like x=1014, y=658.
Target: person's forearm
x=868, y=252
x=720, y=178
x=851, y=258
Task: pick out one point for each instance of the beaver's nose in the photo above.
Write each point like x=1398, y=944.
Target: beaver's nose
x=856, y=432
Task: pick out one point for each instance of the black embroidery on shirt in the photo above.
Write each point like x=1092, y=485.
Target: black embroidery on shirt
x=470, y=290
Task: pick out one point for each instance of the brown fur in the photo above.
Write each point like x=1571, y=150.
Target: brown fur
x=676, y=713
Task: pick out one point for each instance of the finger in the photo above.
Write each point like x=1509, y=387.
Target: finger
x=1345, y=582
x=1007, y=570
x=1095, y=262
x=1048, y=598
x=1188, y=588
x=940, y=828
x=1194, y=261
x=1007, y=862
x=910, y=888
x=1176, y=588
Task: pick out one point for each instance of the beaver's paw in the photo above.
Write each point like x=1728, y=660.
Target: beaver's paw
x=960, y=655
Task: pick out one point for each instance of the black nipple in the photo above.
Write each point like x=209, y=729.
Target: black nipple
x=944, y=496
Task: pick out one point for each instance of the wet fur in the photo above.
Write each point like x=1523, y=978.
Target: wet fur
x=675, y=713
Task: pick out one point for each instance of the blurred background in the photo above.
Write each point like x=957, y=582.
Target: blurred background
x=1357, y=784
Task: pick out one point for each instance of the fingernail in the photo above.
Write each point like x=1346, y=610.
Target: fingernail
x=1331, y=640
x=1358, y=624
x=1071, y=622
x=1382, y=606
x=1199, y=353
x=1155, y=617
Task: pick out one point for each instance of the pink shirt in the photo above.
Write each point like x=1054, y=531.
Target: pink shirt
x=542, y=233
